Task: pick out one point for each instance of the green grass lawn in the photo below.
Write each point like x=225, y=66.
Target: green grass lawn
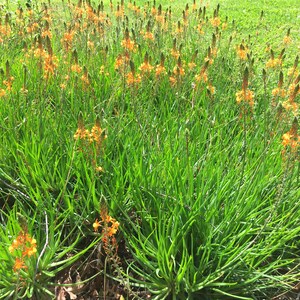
x=149, y=152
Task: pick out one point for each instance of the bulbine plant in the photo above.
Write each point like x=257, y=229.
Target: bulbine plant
x=183, y=127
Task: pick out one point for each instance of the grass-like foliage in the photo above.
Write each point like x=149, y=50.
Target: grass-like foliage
x=146, y=154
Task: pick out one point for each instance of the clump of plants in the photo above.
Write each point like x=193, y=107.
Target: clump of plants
x=146, y=154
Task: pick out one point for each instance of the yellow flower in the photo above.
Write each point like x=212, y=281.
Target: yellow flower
x=273, y=62
x=287, y=40
x=224, y=25
x=242, y=52
x=2, y=93
x=279, y=92
x=212, y=89
x=99, y=169
x=175, y=53
x=215, y=22
x=199, y=28
x=96, y=225
x=291, y=105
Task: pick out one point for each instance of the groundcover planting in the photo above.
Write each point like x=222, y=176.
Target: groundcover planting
x=148, y=151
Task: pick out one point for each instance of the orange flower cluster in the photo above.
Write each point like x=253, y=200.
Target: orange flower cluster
x=50, y=64
x=146, y=67
x=160, y=70
x=178, y=73
x=291, y=140
x=109, y=227
x=275, y=62
x=128, y=44
x=2, y=93
x=90, y=140
x=148, y=35
x=8, y=82
x=279, y=91
x=32, y=28
x=290, y=104
x=245, y=96
x=67, y=39
x=215, y=22
x=25, y=246
x=95, y=135
x=5, y=31
x=122, y=61
x=287, y=39
x=242, y=51
x=132, y=78
x=202, y=77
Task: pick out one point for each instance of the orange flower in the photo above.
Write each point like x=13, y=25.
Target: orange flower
x=8, y=83
x=51, y=63
x=160, y=70
x=112, y=230
x=291, y=105
x=19, y=264
x=291, y=139
x=175, y=53
x=172, y=80
x=279, y=92
x=148, y=36
x=287, y=40
x=119, y=62
x=26, y=245
x=81, y=133
x=131, y=79
x=211, y=89
x=96, y=225
x=273, y=62
x=29, y=251
x=178, y=71
x=215, y=22
x=191, y=65
x=68, y=37
x=96, y=134
x=146, y=67
x=202, y=76
x=128, y=44
x=246, y=96
x=242, y=52
x=76, y=68
x=2, y=93
x=199, y=28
